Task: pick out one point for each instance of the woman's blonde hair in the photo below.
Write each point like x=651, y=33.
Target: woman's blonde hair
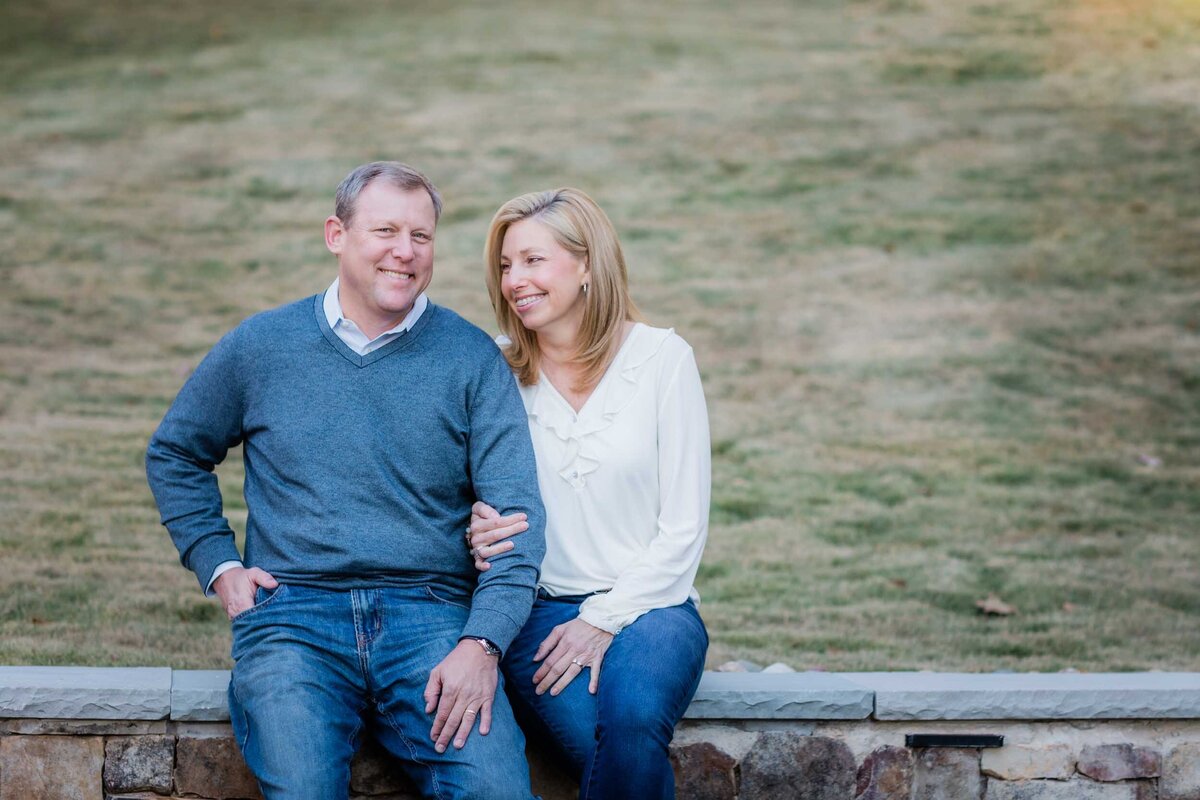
x=581, y=227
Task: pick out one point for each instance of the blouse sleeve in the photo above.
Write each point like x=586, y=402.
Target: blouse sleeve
x=662, y=575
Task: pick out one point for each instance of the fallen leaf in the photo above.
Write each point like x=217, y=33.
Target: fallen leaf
x=899, y=583
x=995, y=607
x=1069, y=607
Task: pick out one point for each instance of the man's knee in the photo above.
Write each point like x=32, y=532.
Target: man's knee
x=297, y=764
x=479, y=770
x=494, y=766
x=306, y=782
x=505, y=778
x=297, y=736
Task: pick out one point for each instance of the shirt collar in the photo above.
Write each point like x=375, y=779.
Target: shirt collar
x=334, y=315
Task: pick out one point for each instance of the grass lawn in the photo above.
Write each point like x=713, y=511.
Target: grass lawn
x=940, y=263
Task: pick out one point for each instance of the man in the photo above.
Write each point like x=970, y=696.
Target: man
x=370, y=421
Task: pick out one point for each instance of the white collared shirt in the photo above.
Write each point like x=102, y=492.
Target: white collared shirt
x=356, y=340
x=353, y=336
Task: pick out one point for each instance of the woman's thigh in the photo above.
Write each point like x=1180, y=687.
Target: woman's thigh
x=652, y=669
x=568, y=720
x=647, y=678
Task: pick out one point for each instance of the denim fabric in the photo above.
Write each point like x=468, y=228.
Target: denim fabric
x=616, y=741
x=314, y=667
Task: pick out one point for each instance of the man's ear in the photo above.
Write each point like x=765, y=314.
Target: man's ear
x=335, y=235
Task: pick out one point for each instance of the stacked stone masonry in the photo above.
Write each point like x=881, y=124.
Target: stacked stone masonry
x=125, y=734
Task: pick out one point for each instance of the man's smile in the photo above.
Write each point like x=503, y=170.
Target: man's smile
x=392, y=273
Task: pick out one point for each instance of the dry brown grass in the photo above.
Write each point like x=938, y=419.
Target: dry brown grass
x=938, y=260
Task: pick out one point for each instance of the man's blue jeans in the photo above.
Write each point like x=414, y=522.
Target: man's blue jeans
x=313, y=667
x=616, y=741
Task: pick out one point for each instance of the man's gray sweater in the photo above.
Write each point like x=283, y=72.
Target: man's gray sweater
x=360, y=470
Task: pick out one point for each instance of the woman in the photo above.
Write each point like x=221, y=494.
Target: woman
x=619, y=427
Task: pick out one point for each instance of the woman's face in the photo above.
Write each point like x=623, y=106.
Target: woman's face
x=541, y=280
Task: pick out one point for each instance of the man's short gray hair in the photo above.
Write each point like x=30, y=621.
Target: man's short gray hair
x=400, y=175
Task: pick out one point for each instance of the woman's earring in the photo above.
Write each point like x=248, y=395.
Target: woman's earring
x=585, y=288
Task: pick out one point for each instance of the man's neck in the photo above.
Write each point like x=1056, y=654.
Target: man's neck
x=370, y=324
x=373, y=329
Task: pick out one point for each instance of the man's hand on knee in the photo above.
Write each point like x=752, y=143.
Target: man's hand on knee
x=236, y=588
x=461, y=689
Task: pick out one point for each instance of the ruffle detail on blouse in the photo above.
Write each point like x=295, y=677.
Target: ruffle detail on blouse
x=550, y=411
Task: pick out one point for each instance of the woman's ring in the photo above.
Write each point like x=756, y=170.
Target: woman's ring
x=469, y=711
x=474, y=552
x=578, y=663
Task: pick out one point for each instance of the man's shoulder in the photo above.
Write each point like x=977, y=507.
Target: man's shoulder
x=284, y=320
x=458, y=332
x=289, y=315
x=264, y=330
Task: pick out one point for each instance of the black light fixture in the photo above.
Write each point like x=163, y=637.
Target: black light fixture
x=953, y=740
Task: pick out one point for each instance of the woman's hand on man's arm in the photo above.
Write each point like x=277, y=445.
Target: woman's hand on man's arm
x=489, y=533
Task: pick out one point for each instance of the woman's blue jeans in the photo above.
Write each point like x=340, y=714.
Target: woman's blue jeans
x=313, y=667
x=617, y=740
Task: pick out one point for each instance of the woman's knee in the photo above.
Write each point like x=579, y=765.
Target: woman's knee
x=645, y=719
x=645, y=704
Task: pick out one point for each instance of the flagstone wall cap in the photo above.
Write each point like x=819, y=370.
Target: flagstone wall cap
x=1035, y=696
x=790, y=695
x=158, y=693
x=200, y=695
x=85, y=692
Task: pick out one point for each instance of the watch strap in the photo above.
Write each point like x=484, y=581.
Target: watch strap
x=488, y=645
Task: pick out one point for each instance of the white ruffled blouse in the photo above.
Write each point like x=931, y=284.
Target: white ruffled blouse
x=626, y=481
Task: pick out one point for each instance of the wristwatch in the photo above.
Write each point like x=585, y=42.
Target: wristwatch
x=488, y=646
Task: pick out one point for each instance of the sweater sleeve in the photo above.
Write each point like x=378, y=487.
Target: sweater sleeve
x=504, y=475
x=195, y=435
x=662, y=575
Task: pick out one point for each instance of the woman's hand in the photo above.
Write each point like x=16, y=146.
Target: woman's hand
x=568, y=649
x=488, y=532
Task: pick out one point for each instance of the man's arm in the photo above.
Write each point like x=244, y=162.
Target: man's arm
x=504, y=471
x=195, y=435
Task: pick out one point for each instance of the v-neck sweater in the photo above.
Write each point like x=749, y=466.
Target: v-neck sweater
x=360, y=470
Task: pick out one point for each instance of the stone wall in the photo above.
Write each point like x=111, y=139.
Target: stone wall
x=155, y=733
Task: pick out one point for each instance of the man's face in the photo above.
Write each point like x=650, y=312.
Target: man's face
x=385, y=254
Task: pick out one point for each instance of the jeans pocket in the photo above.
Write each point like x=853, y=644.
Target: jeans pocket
x=262, y=598
x=463, y=602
